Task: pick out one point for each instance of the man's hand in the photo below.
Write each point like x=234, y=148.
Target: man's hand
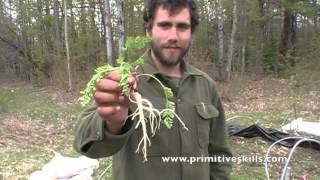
x=112, y=105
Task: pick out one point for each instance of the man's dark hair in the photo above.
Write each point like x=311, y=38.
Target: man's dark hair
x=173, y=6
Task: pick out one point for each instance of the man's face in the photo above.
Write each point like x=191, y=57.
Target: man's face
x=171, y=35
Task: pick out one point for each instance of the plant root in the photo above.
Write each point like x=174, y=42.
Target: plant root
x=153, y=118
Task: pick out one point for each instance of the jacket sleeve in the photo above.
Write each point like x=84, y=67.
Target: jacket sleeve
x=219, y=145
x=93, y=141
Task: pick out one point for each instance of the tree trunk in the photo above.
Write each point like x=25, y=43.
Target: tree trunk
x=44, y=41
x=288, y=35
x=232, y=39
x=24, y=21
x=9, y=9
x=56, y=28
x=70, y=80
x=220, y=18
x=244, y=9
x=83, y=19
x=315, y=17
x=261, y=39
x=120, y=5
x=108, y=34
x=56, y=20
x=72, y=23
x=93, y=35
x=103, y=23
x=1, y=9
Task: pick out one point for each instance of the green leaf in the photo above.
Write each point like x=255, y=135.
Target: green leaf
x=120, y=60
x=167, y=116
x=88, y=92
x=140, y=62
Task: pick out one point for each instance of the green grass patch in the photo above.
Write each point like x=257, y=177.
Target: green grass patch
x=272, y=119
x=36, y=105
x=256, y=173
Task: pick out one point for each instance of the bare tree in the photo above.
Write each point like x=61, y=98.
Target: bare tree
x=120, y=5
x=108, y=33
x=232, y=39
x=244, y=35
x=70, y=80
x=315, y=18
x=288, y=33
x=56, y=27
x=1, y=9
x=261, y=39
x=220, y=38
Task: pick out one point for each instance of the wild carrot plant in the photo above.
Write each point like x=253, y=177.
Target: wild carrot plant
x=126, y=68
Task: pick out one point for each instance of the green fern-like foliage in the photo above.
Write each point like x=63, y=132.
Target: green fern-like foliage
x=86, y=95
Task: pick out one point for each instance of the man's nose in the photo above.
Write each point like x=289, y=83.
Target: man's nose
x=173, y=34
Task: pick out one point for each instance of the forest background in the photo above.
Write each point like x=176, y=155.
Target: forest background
x=44, y=42
x=264, y=55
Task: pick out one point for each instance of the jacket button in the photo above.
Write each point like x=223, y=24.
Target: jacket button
x=179, y=100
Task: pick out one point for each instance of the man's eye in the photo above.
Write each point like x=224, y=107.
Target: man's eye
x=183, y=27
x=165, y=25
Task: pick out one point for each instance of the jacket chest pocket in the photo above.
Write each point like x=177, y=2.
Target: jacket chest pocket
x=206, y=113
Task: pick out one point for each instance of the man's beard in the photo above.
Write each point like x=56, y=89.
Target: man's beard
x=171, y=59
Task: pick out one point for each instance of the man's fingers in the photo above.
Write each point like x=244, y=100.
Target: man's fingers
x=111, y=82
x=106, y=111
x=108, y=85
x=108, y=98
x=114, y=75
x=132, y=80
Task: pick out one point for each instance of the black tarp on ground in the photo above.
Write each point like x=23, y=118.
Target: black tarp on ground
x=270, y=134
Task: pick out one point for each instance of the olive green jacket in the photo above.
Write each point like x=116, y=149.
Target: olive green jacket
x=199, y=107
